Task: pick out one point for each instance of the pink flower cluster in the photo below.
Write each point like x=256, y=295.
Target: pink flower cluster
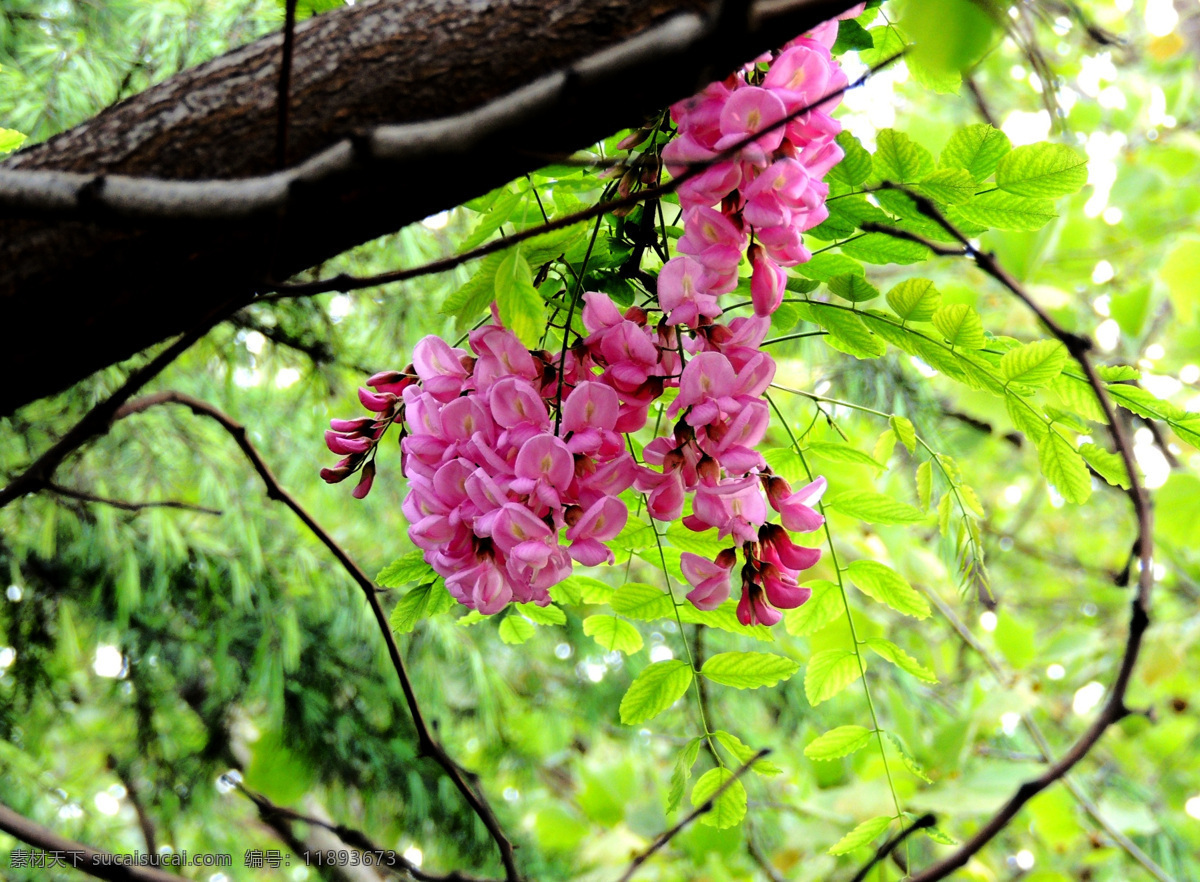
x=508, y=451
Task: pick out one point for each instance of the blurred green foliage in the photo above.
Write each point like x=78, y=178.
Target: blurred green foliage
x=145, y=654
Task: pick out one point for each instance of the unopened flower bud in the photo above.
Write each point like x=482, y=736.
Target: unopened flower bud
x=364, y=484
x=572, y=514
x=709, y=470
x=633, y=139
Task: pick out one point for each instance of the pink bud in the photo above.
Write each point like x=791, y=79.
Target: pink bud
x=368, y=478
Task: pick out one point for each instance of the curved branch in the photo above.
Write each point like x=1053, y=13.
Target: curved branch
x=704, y=807
x=427, y=745
x=99, y=864
x=1114, y=708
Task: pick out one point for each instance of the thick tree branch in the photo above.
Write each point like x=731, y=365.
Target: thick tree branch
x=84, y=858
x=397, y=113
x=427, y=745
x=1114, y=708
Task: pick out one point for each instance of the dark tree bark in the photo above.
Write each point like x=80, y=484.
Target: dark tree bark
x=77, y=295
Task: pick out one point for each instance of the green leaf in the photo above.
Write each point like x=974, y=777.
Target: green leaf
x=784, y=318
x=900, y=159
x=901, y=659
x=705, y=544
x=1034, y=364
x=960, y=325
x=683, y=772
x=581, y=589
x=410, y=567
x=10, y=140
x=497, y=215
x=1042, y=171
x=729, y=808
x=475, y=294
x=885, y=248
x=723, y=618
x=914, y=300
x=884, y=584
x=825, y=266
x=1114, y=373
x=1179, y=271
x=907, y=758
x=925, y=483
x=855, y=166
x=905, y=431
x=829, y=672
x=837, y=452
x=413, y=607
x=748, y=670
x=847, y=333
x=521, y=308
x=863, y=834
x=1026, y=417
x=852, y=287
x=977, y=149
x=744, y=753
x=1064, y=467
x=875, y=508
x=952, y=186
x=851, y=35
x=823, y=606
x=542, y=615
x=612, y=633
x=1110, y=465
x=939, y=836
x=1004, y=211
x=637, y=600
x=654, y=690
x=839, y=742
x=515, y=630
x=888, y=42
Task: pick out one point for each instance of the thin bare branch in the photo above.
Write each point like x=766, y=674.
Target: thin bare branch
x=98, y=864
x=124, y=505
x=1115, y=708
x=921, y=823
x=427, y=745
x=97, y=420
x=707, y=806
x=269, y=811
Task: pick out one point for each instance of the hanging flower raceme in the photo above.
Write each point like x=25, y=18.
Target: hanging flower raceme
x=515, y=458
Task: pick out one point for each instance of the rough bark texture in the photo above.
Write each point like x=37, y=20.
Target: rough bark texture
x=77, y=296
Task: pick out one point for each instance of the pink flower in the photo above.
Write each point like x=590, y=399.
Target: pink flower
x=709, y=578
x=544, y=469
x=685, y=293
x=777, y=548
x=752, y=109
x=734, y=506
x=753, y=608
x=795, y=509
x=439, y=367
x=768, y=282
x=603, y=521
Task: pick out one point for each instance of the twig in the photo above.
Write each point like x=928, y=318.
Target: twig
x=897, y=233
x=124, y=505
x=926, y=820
x=427, y=745
x=1114, y=708
x=97, y=420
x=285, y=84
x=1045, y=754
x=352, y=837
x=704, y=807
x=135, y=798
x=353, y=283
x=84, y=858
